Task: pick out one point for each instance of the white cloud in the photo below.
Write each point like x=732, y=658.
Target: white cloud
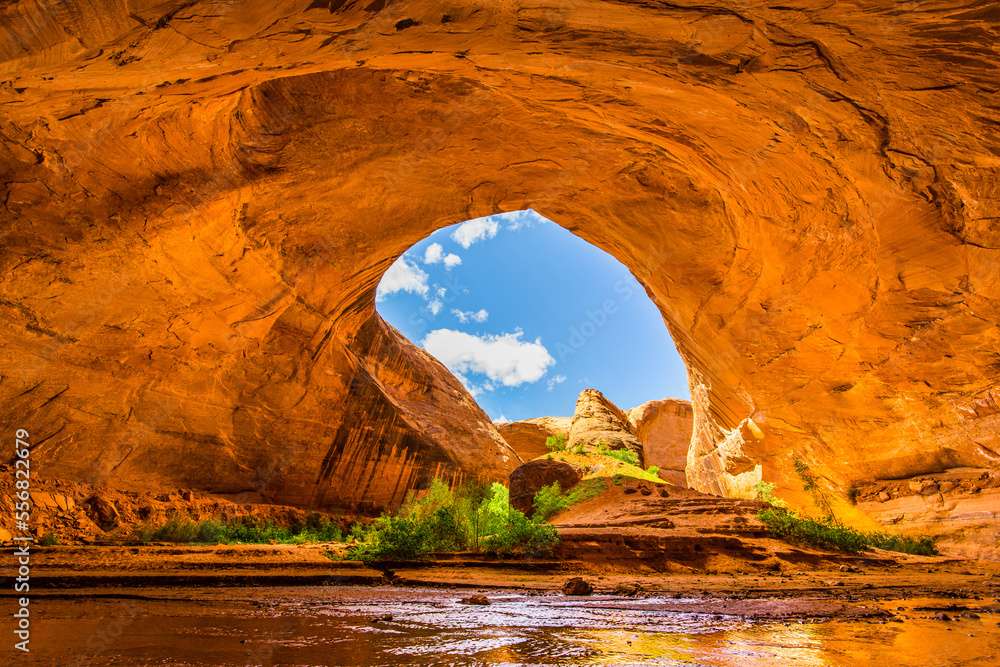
x=502, y=358
x=520, y=219
x=433, y=254
x=466, y=316
x=553, y=381
x=441, y=291
x=502, y=419
x=402, y=276
x=451, y=260
x=434, y=305
x=471, y=231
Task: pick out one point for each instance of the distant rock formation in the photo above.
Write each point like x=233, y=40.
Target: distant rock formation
x=597, y=421
x=527, y=437
x=664, y=429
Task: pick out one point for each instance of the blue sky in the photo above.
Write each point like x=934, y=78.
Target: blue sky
x=527, y=314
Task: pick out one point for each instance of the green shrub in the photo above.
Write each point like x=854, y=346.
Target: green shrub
x=246, y=530
x=764, y=492
x=920, y=546
x=823, y=534
x=829, y=535
x=556, y=443
x=517, y=533
x=49, y=540
x=549, y=501
x=474, y=517
x=653, y=470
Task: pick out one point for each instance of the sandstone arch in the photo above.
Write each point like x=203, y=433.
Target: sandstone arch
x=200, y=198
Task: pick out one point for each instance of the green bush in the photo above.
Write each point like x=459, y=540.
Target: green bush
x=764, y=492
x=556, y=443
x=653, y=470
x=246, y=530
x=49, y=540
x=920, y=546
x=475, y=517
x=829, y=535
x=549, y=501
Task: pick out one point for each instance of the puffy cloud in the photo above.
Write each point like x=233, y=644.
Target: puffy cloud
x=402, y=276
x=471, y=231
x=503, y=358
x=434, y=305
x=520, y=219
x=466, y=316
x=553, y=381
x=502, y=419
x=433, y=254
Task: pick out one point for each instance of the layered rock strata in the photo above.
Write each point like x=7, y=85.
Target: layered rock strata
x=199, y=199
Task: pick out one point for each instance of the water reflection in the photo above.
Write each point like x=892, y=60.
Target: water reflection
x=391, y=626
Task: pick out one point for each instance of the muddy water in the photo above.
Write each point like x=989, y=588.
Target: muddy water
x=393, y=626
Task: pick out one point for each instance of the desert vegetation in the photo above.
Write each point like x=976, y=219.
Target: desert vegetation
x=473, y=518
x=828, y=532
x=246, y=530
x=550, y=499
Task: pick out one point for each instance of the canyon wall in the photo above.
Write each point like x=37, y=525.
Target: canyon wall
x=199, y=198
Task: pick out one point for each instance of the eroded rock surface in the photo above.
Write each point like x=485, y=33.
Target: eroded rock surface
x=961, y=506
x=664, y=429
x=527, y=437
x=199, y=199
x=597, y=422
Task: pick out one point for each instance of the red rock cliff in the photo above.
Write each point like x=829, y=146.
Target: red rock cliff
x=199, y=199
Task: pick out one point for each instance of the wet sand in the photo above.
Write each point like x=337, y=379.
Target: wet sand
x=389, y=625
x=295, y=605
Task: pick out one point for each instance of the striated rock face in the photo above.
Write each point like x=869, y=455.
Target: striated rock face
x=597, y=421
x=960, y=506
x=527, y=437
x=664, y=429
x=199, y=199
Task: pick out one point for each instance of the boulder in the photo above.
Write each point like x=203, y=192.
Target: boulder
x=102, y=512
x=577, y=586
x=481, y=600
x=529, y=477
